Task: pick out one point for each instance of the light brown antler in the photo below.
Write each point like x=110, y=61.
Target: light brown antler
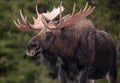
x=74, y=18
x=54, y=13
x=38, y=24
x=53, y=27
x=26, y=26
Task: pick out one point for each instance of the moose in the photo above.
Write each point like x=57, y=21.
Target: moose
x=84, y=52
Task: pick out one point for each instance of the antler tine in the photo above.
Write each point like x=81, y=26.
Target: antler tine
x=24, y=27
x=19, y=22
x=80, y=10
x=85, y=6
x=54, y=8
x=26, y=21
x=61, y=11
x=16, y=24
x=60, y=14
x=23, y=19
x=19, y=26
x=73, y=12
x=89, y=8
x=37, y=10
x=33, y=18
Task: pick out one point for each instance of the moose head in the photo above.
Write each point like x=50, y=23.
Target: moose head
x=50, y=30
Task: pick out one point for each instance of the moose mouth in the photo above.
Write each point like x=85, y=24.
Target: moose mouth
x=38, y=52
x=34, y=53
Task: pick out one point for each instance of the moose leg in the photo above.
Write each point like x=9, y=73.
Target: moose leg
x=84, y=75
x=112, y=74
x=63, y=75
x=54, y=72
x=111, y=79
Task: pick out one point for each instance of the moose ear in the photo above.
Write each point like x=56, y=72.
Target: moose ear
x=48, y=35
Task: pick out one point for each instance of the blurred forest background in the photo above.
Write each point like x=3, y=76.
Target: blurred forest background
x=16, y=66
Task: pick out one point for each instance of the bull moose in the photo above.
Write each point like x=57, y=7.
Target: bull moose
x=85, y=53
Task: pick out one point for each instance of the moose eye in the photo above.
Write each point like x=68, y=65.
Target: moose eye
x=48, y=35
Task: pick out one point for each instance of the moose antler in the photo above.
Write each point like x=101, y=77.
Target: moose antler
x=38, y=25
x=74, y=18
x=54, y=13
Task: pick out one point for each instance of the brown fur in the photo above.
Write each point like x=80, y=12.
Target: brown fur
x=67, y=41
x=77, y=46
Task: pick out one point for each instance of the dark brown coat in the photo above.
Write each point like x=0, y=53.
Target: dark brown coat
x=77, y=46
x=82, y=49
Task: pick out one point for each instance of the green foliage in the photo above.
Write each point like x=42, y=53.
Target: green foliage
x=15, y=66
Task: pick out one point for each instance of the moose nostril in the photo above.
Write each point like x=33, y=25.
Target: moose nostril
x=32, y=52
